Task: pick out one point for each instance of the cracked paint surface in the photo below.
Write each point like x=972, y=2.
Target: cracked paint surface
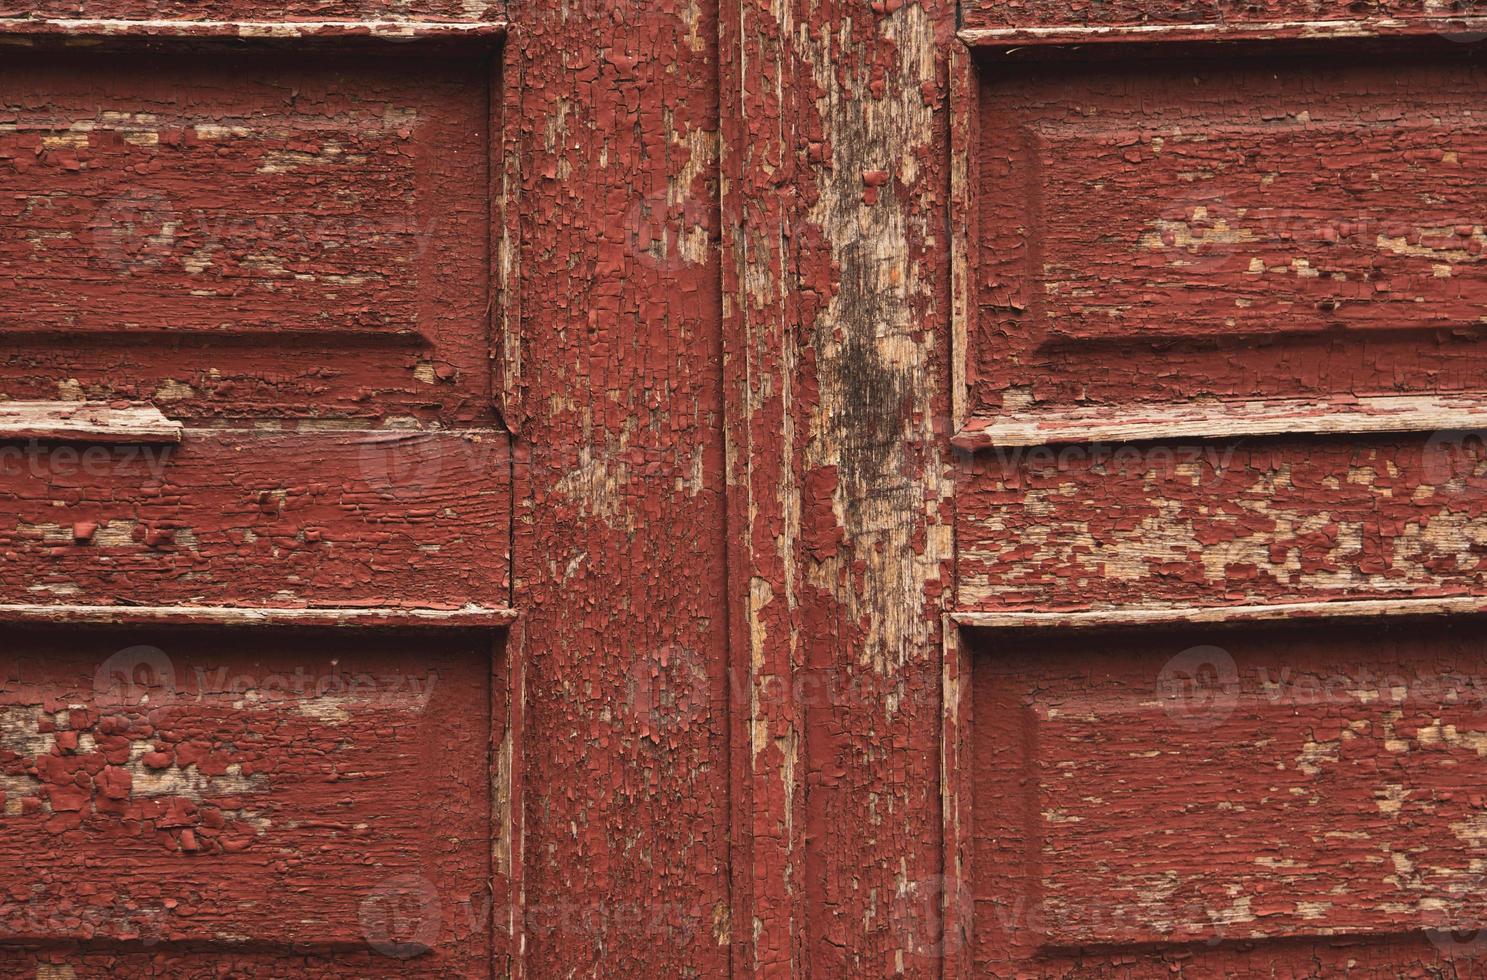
x=308, y=239
x=243, y=796
x=1313, y=806
x=1228, y=229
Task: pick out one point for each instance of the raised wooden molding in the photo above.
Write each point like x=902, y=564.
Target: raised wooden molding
x=994, y=37
x=1207, y=615
x=96, y=422
x=184, y=28
x=469, y=616
x=1224, y=420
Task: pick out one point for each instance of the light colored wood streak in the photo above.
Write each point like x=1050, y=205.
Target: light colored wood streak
x=993, y=37
x=86, y=422
x=390, y=29
x=1222, y=420
x=1185, y=615
x=464, y=616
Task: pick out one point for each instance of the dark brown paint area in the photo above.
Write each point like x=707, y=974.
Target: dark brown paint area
x=1230, y=801
x=274, y=800
x=1305, y=224
x=242, y=235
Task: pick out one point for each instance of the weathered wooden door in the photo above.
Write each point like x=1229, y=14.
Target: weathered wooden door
x=257, y=503
x=789, y=489
x=1217, y=706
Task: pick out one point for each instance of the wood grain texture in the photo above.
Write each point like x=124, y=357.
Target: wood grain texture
x=1229, y=802
x=1223, y=420
x=1411, y=607
x=249, y=234
x=92, y=422
x=620, y=526
x=305, y=11
x=257, y=802
x=1091, y=18
x=839, y=398
x=241, y=519
x=93, y=30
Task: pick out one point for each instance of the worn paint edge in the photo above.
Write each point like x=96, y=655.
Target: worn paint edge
x=508, y=245
x=183, y=28
x=964, y=227
x=957, y=908
x=468, y=616
x=1258, y=30
x=1222, y=420
x=96, y=422
x=1182, y=615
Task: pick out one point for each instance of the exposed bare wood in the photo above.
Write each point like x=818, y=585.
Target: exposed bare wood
x=86, y=422
x=992, y=37
x=1186, y=615
x=963, y=224
x=469, y=616
x=1223, y=420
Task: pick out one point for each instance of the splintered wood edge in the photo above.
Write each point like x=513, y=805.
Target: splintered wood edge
x=248, y=29
x=993, y=37
x=1209, y=615
x=86, y=422
x=470, y=616
x=1223, y=420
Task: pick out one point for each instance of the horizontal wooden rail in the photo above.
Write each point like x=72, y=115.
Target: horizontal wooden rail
x=1225, y=420
x=352, y=616
x=96, y=422
x=1215, y=615
x=1061, y=34
x=397, y=30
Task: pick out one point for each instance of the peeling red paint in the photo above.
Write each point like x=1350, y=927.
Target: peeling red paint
x=663, y=378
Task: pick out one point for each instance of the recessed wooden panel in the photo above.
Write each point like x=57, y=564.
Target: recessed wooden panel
x=1165, y=225
x=254, y=800
x=382, y=519
x=1238, y=801
x=249, y=234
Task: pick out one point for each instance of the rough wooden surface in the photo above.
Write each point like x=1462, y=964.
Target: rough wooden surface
x=1227, y=226
x=1217, y=523
x=249, y=234
x=233, y=518
x=1132, y=615
x=1225, y=420
x=836, y=156
x=1310, y=806
x=92, y=30
x=188, y=802
x=620, y=521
